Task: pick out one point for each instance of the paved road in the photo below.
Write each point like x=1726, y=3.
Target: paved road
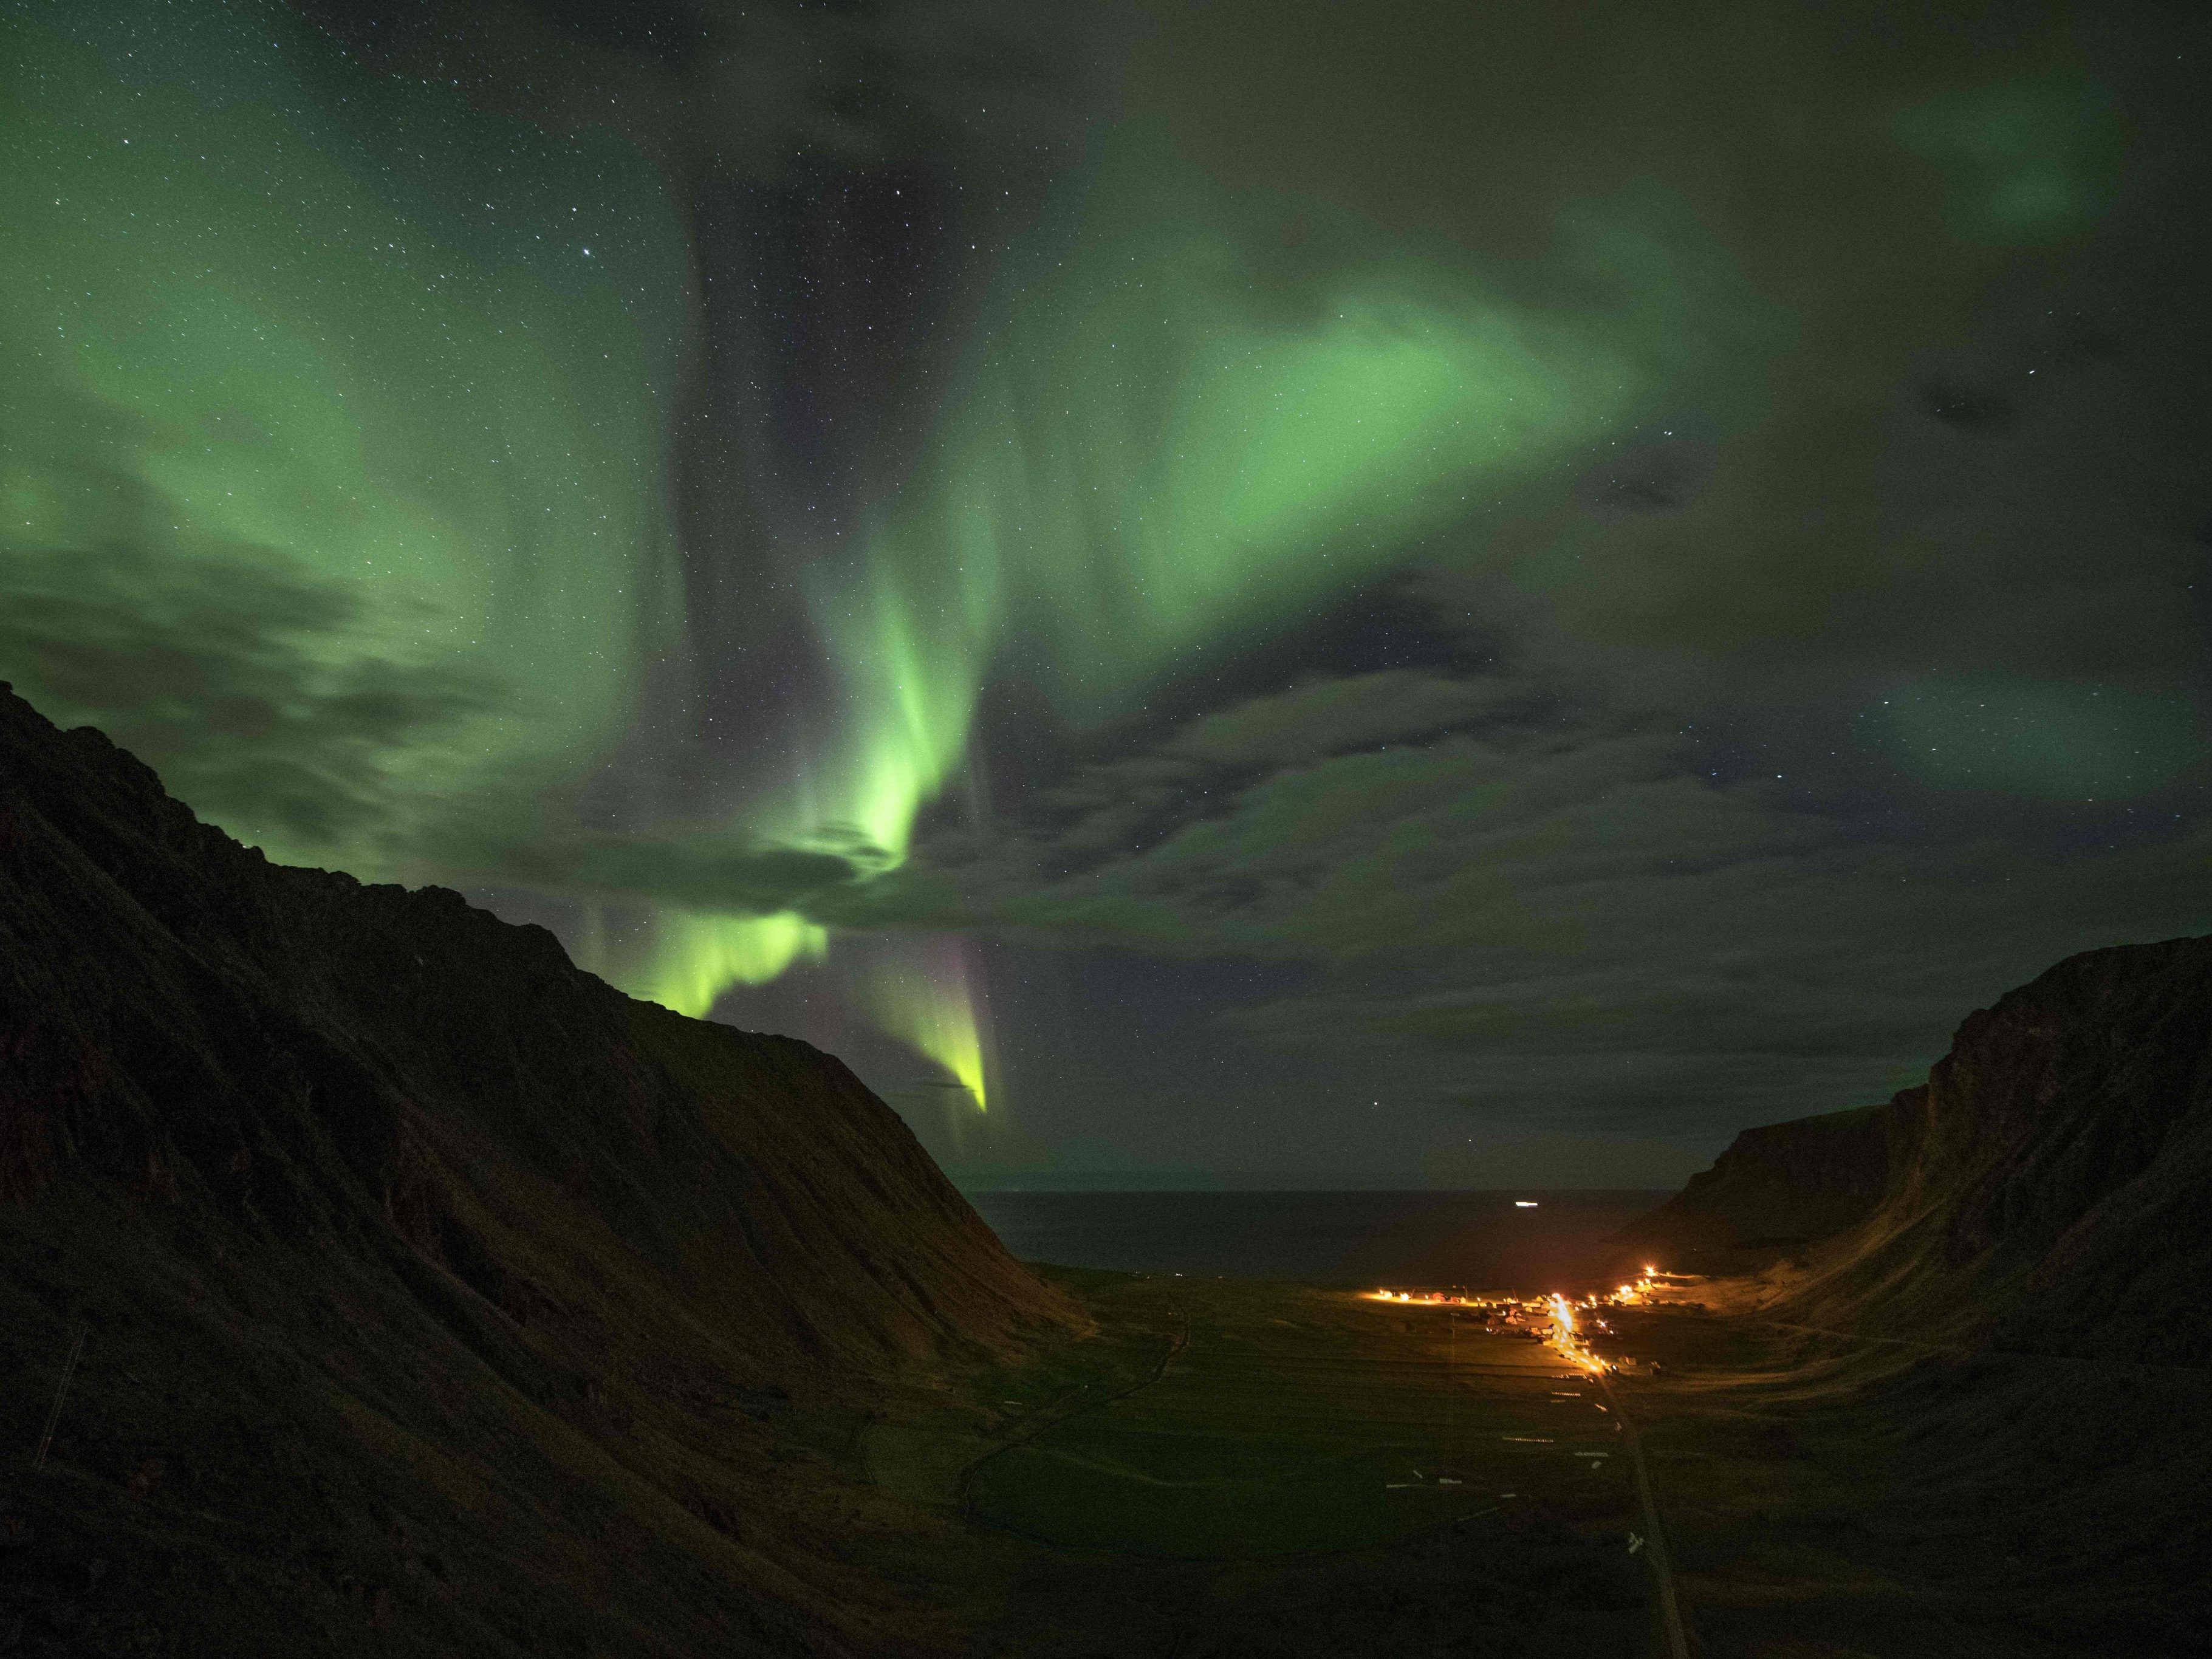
x=1663, y=1564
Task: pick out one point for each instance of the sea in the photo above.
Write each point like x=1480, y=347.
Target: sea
x=1525, y=1241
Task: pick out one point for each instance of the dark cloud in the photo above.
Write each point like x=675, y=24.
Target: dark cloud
x=710, y=871
x=743, y=90
x=228, y=670
x=1535, y=912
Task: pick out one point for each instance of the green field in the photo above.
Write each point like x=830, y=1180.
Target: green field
x=1294, y=1419
x=1227, y=1469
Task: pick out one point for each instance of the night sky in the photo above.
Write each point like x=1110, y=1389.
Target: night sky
x=1258, y=593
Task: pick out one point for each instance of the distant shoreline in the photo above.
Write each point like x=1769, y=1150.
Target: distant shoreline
x=1127, y=1185
x=1497, y=1237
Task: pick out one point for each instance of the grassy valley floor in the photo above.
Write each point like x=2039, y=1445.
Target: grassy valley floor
x=1249, y=1468
x=1227, y=1469
x=1235, y=1467
x=1831, y=1496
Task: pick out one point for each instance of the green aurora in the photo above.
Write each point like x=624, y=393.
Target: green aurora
x=441, y=425
x=342, y=416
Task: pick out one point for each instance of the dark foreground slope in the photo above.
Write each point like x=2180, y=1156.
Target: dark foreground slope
x=435, y=1297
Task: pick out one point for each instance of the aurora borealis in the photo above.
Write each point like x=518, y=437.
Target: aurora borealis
x=1483, y=595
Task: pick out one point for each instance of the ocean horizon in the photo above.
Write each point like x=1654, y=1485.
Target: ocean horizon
x=1513, y=1239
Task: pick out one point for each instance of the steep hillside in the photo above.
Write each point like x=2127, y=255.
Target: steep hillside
x=436, y=1296
x=1997, y=1372
x=2051, y=1184
x=1775, y=1189
x=2048, y=1189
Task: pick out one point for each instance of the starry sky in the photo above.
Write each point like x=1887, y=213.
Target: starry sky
x=1234, y=593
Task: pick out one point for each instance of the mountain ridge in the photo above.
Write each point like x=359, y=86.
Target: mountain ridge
x=372, y=1205
x=2048, y=1189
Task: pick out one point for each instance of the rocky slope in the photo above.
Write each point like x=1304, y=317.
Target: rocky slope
x=2048, y=1189
x=2051, y=1184
x=1999, y=1368
x=1775, y=1190
x=436, y=1296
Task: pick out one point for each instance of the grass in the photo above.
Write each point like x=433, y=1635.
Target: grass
x=1833, y=1497
x=1235, y=1470
x=1296, y=1420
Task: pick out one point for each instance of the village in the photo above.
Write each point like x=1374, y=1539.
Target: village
x=1568, y=1326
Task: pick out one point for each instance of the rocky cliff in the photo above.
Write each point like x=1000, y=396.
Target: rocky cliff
x=435, y=1296
x=2048, y=1189
x=1775, y=1190
x=2051, y=1182
x=2005, y=1356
